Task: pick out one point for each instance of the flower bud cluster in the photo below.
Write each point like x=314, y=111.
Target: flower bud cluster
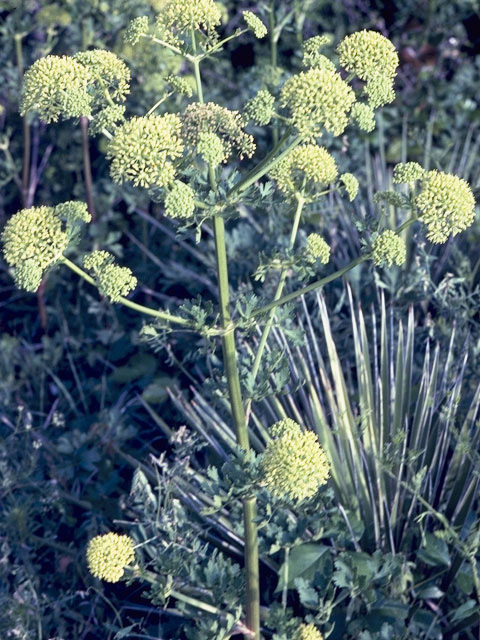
x=317, y=249
x=312, y=56
x=261, y=108
x=407, y=172
x=294, y=465
x=143, y=148
x=108, y=555
x=181, y=16
x=317, y=99
x=350, y=183
x=446, y=204
x=373, y=59
x=136, y=28
x=180, y=85
x=107, y=72
x=308, y=632
x=180, y=201
x=255, y=24
x=211, y=148
x=113, y=281
x=364, y=116
x=227, y=125
x=389, y=248
x=34, y=239
x=304, y=170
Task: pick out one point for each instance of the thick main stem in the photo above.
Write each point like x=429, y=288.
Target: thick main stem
x=27, y=144
x=87, y=168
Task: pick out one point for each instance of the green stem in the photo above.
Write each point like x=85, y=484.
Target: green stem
x=27, y=145
x=128, y=303
x=196, y=68
x=87, y=168
x=273, y=56
x=220, y=44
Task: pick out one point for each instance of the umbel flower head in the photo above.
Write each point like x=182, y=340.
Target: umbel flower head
x=350, y=183
x=34, y=239
x=113, y=281
x=389, y=248
x=317, y=249
x=143, y=148
x=407, y=172
x=255, y=24
x=261, y=107
x=364, y=116
x=294, y=465
x=304, y=170
x=446, y=205
x=311, y=52
x=211, y=148
x=180, y=16
x=317, y=99
x=108, y=555
x=180, y=201
x=107, y=73
x=227, y=125
x=136, y=29
x=54, y=87
x=308, y=632
x=372, y=58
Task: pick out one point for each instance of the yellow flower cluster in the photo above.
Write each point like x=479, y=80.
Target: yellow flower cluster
x=180, y=201
x=261, y=107
x=364, y=116
x=108, y=555
x=35, y=239
x=107, y=72
x=136, y=29
x=311, y=53
x=389, y=248
x=372, y=58
x=350, y=183
x=317, y=249
x=407, y=172
x=143, y=148
x=308, y=632
x=183, y=15
x=446, y=204
x=211, y=148
x=304, y=170
x=255, y=24
x=227, y=125
x=113, y=281
x=317, y=99
x=56, y=86
x=294, y=465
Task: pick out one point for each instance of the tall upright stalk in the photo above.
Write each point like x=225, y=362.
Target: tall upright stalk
x=235, y=394
x=27, y=143
x=87, y=167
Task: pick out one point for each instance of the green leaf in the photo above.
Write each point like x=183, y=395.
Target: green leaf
x=466, y=610
x=302, y=563
x=431, y=592
x=435, y=552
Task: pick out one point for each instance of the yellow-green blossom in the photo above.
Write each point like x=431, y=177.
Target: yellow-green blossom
x=407, y=172
x=311, y=53
x=318, y=99
x=183, y=15
x=294, y=465
x=364, y=116
x=113, y=281
x=350, y=183
x=54, y=87
x=107, y=73
x=304, y=170
x=317, y=249
x=180, y=201
x=261, y=107
x=228, y=125
x=379, y=91
x=109, y=118
x=35, y=239
x=211, y=148
x=142, y=150
x=446, y=205
x=255, y=24
x=389, y=248
x=136, y=29
x=180, y=85
x=308, y=632
x=108, y=555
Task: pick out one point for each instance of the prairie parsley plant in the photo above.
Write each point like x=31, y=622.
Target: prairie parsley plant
x=199, y=159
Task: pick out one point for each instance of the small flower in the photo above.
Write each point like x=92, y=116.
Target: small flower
x=107, y=118
x=211, y=148
x=446, y=205
x=136, y=29
x=308, y=632
x=108, y=555
x=380, y=91
x=407, y=172
x=143, y=148
x=351, y=185
x=311, y=53
x=107, y=73
x=261, y=108
x=227, y=125
x=305, y=169
x=180, y=201
x=255, y=24
x=184, y=15
x=34, y=239
x=180, y=85
x=113, y=281
x=364, y=116
x=318, y=99
x=389, y=248
x=294, y=465
x=54, y=87
x=317, y=249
